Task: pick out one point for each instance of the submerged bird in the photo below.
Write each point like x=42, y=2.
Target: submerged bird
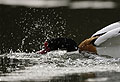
x=104, y=42
x=59, y=44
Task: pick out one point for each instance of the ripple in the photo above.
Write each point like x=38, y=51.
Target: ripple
x=37, y=67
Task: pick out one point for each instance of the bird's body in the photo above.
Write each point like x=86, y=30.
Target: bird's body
x=107, y=28
x=107, y=41
x=113, y=51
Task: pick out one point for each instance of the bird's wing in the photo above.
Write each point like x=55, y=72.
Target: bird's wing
x=111, y=38
x=107, y=28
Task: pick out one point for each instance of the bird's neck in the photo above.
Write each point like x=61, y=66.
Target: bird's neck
x=87, y=45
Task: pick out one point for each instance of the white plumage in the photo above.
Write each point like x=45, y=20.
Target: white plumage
x=107, y=28
x=108, y=43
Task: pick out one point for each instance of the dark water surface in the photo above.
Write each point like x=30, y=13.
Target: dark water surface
x=25, y=29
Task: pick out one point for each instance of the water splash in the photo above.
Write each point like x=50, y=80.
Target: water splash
x=67, y=59
x=57, y=63
x=38, y=25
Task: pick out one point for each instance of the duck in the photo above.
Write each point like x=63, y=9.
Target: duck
x=105, y=41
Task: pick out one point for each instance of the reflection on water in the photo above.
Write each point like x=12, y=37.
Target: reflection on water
x=59, y=66
x=73, y=77
x=8, y=64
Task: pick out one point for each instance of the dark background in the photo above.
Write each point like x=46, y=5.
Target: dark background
x=26, y=29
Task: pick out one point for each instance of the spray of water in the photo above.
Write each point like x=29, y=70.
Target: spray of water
x=39, y=25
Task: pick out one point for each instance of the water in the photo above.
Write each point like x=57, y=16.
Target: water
x=61, y=66
x=23, y=31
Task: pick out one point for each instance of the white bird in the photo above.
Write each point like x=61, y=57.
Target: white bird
x=104, y=42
